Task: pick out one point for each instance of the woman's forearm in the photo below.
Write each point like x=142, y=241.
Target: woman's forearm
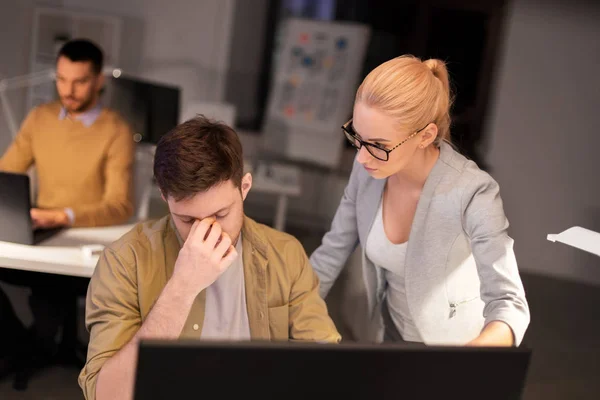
x=496, y=333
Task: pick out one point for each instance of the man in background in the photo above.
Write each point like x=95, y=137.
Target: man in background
x=83, y=155
x=83, y=152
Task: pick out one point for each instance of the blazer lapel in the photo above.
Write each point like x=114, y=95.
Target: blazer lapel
x=416, y=252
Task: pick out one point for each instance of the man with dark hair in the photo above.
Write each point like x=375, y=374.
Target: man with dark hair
x=206, y=271
x=83, y=155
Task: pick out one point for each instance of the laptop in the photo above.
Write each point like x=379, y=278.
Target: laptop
x=15, y=219
x=289, y=371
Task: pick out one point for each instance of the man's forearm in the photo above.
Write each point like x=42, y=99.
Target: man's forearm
x=165, y=321
x=104, y=213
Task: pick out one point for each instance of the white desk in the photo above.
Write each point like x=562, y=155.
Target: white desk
x=62, y=254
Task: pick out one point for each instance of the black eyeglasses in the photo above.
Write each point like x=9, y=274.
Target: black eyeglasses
x=377, y=151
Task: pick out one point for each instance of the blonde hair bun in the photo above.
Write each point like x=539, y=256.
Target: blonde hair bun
x=439, y=70
x=415, y=92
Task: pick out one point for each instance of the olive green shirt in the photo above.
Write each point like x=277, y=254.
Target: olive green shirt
x=282, y=297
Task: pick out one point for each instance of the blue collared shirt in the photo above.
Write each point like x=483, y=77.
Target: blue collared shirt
x=87, y=118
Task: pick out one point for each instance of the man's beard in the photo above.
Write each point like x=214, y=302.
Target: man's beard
x=234, y=240
x=84, y=106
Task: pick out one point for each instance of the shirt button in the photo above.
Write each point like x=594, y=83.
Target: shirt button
x=261, y=315
x=195, y=327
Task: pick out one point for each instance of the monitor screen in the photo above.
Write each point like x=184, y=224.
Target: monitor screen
x=151, y=108
x=296, y=370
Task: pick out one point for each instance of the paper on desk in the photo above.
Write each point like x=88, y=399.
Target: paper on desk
x=65, y=255
x=580, y=238
x=103, y=235
x=88, y=236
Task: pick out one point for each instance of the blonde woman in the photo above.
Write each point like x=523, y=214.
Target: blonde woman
x=438, y=264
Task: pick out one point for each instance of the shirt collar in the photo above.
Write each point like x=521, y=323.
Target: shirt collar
x=87, y=118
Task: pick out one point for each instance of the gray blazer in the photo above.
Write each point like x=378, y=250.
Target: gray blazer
x=461, y=271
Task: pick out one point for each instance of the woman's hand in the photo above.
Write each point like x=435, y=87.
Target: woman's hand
x=496, y=333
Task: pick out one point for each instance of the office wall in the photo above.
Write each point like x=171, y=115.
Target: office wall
x=15, y=20
x=181, y=42
x=247, y=48
x=543, y=130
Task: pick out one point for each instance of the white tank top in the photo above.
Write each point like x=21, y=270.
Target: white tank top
x=390, y=258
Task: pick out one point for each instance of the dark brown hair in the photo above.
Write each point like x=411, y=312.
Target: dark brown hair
x=196, y=156
x=83, y=50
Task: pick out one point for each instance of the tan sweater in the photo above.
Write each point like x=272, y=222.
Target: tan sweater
x=87, y=169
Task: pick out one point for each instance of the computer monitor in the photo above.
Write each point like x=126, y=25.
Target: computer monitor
x=151, y=108
x=289, y=371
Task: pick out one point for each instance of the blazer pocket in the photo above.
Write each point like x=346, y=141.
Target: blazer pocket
x=279, y=322
x=454, y=306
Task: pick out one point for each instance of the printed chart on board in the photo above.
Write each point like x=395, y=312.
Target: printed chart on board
x=318, y=66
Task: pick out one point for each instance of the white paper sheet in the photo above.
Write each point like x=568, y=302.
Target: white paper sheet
x=580, y=238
